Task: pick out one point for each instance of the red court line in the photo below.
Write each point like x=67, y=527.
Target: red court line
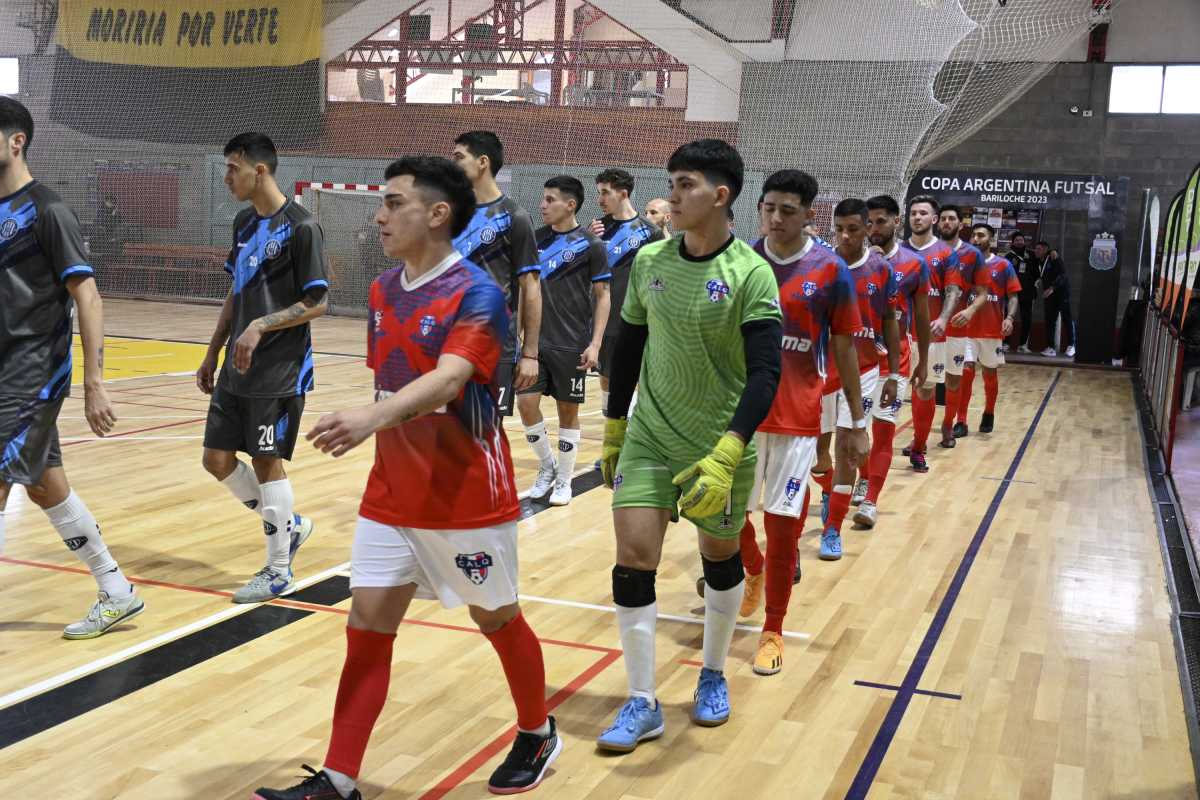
x=155, y=386
x=472, y=764
x=141, y=430
x=691, y=663
x=123, y=402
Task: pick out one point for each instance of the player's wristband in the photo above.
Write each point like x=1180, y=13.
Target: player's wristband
x=531, y=358
x=860, y=424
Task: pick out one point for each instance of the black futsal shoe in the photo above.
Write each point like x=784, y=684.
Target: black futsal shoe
x=960, y=430
x=985, y=424
x=316, y=786
x=527, y=762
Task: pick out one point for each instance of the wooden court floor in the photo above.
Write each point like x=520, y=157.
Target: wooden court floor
x=1002, y=633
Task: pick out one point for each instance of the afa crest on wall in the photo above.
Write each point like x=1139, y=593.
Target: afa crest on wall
x=1103, y=255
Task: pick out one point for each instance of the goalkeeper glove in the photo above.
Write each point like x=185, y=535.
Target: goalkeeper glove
x=714, y=479
x=610, y=451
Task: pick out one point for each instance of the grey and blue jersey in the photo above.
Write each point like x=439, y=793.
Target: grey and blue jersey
x=570, y=263
x=622, y=240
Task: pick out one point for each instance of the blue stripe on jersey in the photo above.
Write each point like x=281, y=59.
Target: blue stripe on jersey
x=482, y=229
x=601, y=278
x=562, y=252
x=304, y=380
x=317, y=282
x=59, y=380
x=258, y=243
x=12, y=450
x=17, y=241
x=77, y=269
x=629, y=237
x=281, y=427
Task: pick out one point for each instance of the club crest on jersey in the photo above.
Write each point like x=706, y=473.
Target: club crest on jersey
x=474, y=566
x=617, y=481
x=899, y=276
x=378, y=321
x=487, y=235
x=8, y=230
x=794, y=485
x=868, y=404
x=656, y=285
x=872, y=288
x=272, y=249
x=717, y=290
x=635, y=240
x=427, y=324
x=568, y=256
x=810, y=288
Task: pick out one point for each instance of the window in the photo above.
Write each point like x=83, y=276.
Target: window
x=10, y=82
x=1155, y=89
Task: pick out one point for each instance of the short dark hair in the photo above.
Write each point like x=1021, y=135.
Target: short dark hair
x=850, y=207
x=443, y=178
x=15, y=118
x=928, y=199
x=1016, y=234
x=1043, y=243
x=570, y=187
x=957, y=211
x=791, y=181
x=256, y=148
x=484, y=143
x=719, y=162
x=617, y=179
x=883, y=202
x=991, y=231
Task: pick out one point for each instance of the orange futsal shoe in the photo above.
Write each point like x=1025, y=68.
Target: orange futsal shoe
x=769, y=659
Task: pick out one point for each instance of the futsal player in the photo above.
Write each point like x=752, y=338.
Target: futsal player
x=994, y=318
x=436, y=329
x=658, y=211
x=878, y=340
x=575, y=277
x=279, y=285
x=820, y=315
x=700, y=336
x=912, y=282
x=45, y=281
x=500, y=239
x=945, y=290
x=960, y=345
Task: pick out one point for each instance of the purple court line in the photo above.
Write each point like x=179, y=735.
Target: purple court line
x=891, y=722
x=926, y=692
x=1006, y=480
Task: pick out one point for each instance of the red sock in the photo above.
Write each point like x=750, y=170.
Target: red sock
x=991, y=390
x=951, y=406
x=824, y=480
x=922, y=414
x=781, y=564
x=521, y=656
x=882, y=436
x=362, y=691
x=752, y=557
x=964, y=393
x=839, y=504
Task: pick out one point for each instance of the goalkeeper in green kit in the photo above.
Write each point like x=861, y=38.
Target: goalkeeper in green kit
x=700, y=337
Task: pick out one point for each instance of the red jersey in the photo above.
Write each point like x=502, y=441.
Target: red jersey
x=877, y=293
x=970, y=268
x=449, y=469
x=943, y=273
x=817, y=299
x=1002, y=283
x=912, y=279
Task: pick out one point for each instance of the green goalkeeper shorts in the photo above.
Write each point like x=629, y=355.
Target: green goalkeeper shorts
x=643, y=480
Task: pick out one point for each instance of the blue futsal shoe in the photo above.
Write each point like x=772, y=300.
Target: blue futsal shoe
x=824, y=508
x=636, y=722
x=712, y=699
x=831, y=545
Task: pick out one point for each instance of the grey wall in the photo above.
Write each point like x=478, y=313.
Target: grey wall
x=1039, y=134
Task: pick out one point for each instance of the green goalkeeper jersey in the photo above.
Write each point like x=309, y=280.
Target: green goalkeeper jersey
x=694, y=366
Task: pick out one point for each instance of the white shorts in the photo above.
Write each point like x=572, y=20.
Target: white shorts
x=835, y=411
x=937, y=363
x=889, y=414
x=959, y=350
x=781, y=474
x=476, y=567
x=989, y=352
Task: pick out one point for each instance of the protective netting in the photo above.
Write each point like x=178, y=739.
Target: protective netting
x=134, y=100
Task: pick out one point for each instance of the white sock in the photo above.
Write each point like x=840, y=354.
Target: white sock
x=79, y=531
x=603, y=402
x=344, y=784
x=1, y=533
x=637, y=640
x=540, y=442
x=277, y=521
x=568, y=449
x=543, y=730
x=720, y=618
x=243, y=484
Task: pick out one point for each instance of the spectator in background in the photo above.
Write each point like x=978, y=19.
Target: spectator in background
x=1056, y=291
x=1028, y=271
x=658, y=211
x=105, y=237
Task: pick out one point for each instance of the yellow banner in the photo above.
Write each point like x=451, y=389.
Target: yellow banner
x=192, y=33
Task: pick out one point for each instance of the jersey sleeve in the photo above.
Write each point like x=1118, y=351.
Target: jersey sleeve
x=952, y=272
x=374, y=307
x=61, y=240
x=524, y=244
x=1013, y=285
x=480, y=329
x=760, y=295
x=598, y=266
x=309, y=258
x=844, y=316
x=924, y=280
x=634, y=309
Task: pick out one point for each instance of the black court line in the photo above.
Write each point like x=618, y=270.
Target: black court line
x=1007, y=480
x=926, y=692
x=891, y=722
x=75, y=698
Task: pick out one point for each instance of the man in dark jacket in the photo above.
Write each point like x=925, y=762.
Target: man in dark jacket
x=1056, y=291
x=1028, y=271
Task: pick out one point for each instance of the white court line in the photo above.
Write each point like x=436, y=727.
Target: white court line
x=163, y=638
x=142, y=378
x=671, y=617
x=127, y=438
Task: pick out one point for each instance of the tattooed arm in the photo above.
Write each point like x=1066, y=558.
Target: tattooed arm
x=314, y=304
x=96, y=406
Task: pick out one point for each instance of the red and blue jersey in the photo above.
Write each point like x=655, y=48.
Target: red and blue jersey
x=1000, y=278
x=817, y=299
x=970, y=272
x=912, y=279
x=942, y=262
x=876, y=291
x=449, y=469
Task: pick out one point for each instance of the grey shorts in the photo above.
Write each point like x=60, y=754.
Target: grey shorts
x=28, y=439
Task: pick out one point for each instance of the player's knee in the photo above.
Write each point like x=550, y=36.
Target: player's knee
x=492, y=620
x=267, y=469
x=568, y=415
x=723, y=575
x=218, y=463
x=633, y=588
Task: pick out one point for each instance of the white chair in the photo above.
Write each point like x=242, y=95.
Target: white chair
x=1189, y=385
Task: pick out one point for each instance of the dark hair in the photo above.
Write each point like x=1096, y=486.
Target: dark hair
x=1016, y=234
x=484, y=143
x=570, y=187
x=957, y=211
x=791, y=181
x=850, y=207
x=884, y=202
x=15, y=118
x=617, y=179
x=1044, y=244
x=717, y=161
x=256, y=148
x=991, y=231
x=928, y=199
x=443, y=178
